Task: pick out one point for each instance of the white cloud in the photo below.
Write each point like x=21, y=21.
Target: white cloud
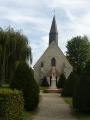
x=35, y=17
x=23, y=19
x=68, y=4
x=39, y=48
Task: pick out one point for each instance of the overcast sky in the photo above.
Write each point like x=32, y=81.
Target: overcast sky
x=34, y=18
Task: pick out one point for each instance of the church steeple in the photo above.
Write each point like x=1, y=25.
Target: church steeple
x=53, y=35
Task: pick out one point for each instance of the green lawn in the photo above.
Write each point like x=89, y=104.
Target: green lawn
x=5, y=85
x=26, y=114
x=81, y=116
x=42, y=88
x=69, y=101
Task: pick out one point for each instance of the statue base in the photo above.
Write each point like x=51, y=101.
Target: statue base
x=53, y=84
x=53, y=87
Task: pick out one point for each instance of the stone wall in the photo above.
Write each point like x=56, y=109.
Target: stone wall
x=62, y=64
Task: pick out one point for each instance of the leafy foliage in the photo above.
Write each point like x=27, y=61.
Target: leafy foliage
x=70, y=85
x=23, y=79
x=44, y=82
x=13, y=47
x=78, y=52
x=61, y=81
x=81, y=98
x=11, y=105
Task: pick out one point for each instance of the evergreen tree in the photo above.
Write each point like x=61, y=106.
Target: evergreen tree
x=61, y=81
x=81, y=97
x=44, y=82
x=23, y=79
x=70, y=85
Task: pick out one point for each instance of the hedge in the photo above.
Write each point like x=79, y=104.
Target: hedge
x=11, y=105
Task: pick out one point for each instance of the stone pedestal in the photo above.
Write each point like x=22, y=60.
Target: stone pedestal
x=53, y=82
x=53, y=87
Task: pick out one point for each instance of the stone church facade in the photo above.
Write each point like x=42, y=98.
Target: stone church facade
x=53, y=57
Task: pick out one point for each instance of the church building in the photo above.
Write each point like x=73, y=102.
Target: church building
x=53, y=57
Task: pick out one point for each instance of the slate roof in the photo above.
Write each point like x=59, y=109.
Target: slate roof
x=53, y=35
x=54, y=26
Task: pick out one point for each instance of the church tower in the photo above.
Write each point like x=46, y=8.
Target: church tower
x=53, y=35
x=53, y=62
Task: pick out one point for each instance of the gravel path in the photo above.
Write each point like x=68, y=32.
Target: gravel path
x=53, y=107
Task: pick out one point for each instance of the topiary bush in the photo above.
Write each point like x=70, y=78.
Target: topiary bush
x=70, y=85
x=11, y=105
x=0, y=83
x=61, y=81
x=23, y=79
x=81, y=97
x=0, y=79
x=44, y=82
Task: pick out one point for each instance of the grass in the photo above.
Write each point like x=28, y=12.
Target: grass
x=84, y=117
x=43, y=88
x=5, y=85
x=27, y=114
x=69, y=101
x=80, y=115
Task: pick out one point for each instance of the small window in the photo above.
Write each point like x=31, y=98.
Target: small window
x=41, y=64
x=53, y=62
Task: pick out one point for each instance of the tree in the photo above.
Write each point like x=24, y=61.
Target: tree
x=13, y=47
x=44, y=82
x=78, y=52
x=23, y=79
x=70, y=85
x=0, y=66
x=81, y=97
x=61, y=81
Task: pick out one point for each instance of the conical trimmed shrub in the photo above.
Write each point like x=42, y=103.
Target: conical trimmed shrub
x=44, y=82
x=61, y=81
x=81, y=97
x=70, y=85
x=0, y=83
x=0, y=79
x=23, y=79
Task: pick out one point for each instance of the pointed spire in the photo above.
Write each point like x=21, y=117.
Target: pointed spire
x=54, y=26
x=53, y=35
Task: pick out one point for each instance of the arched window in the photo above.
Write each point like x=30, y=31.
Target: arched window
x=41, y=64
x=53, y=62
